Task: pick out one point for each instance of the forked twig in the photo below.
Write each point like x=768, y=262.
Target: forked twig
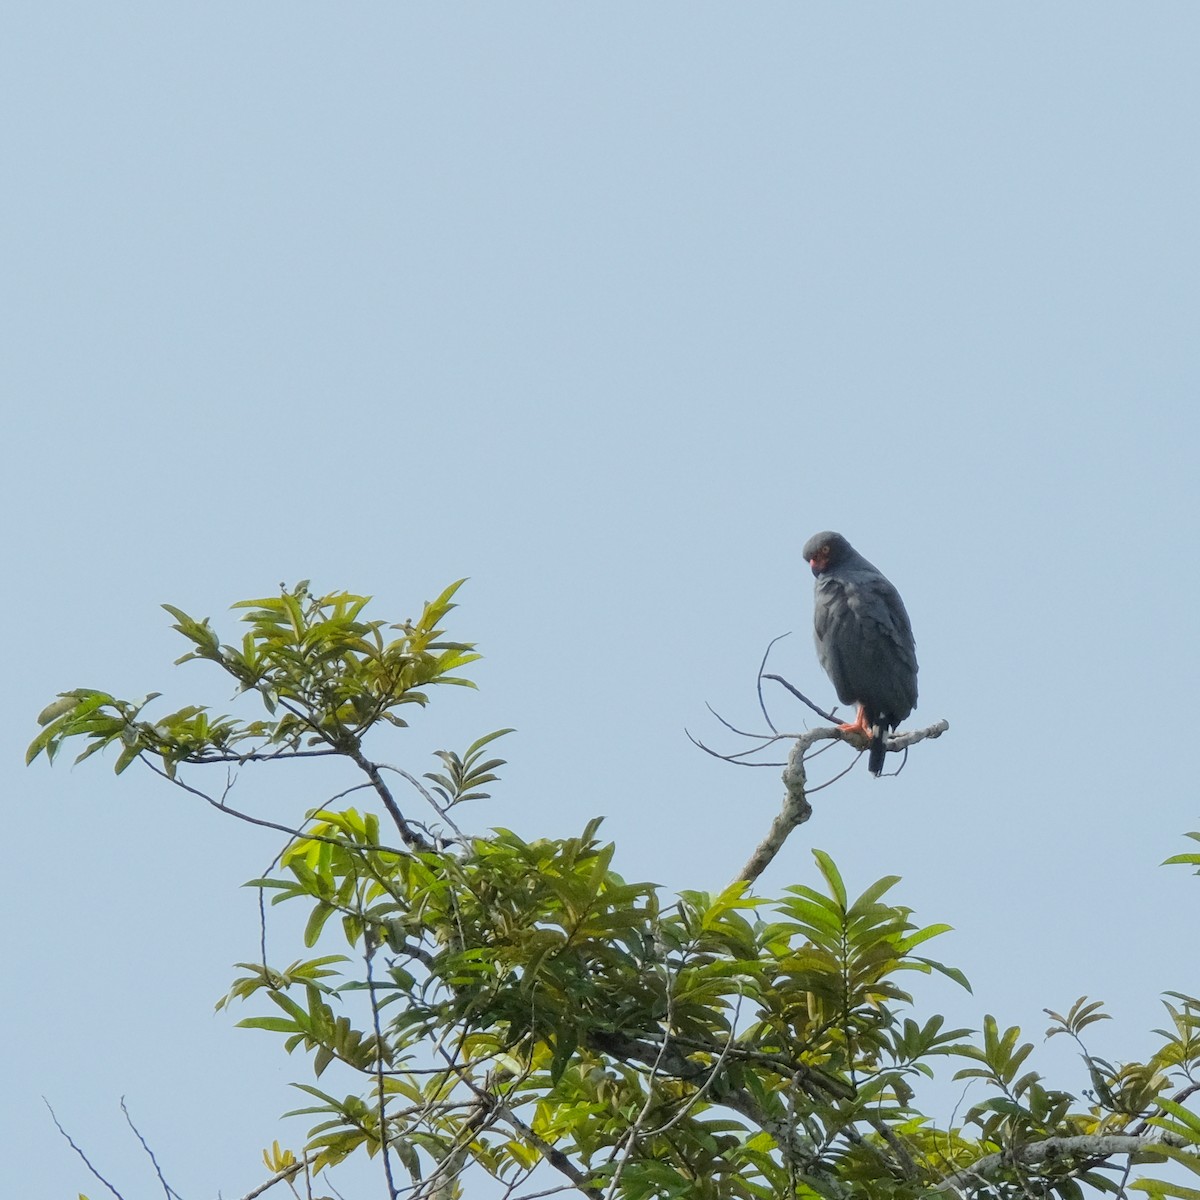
x=737, y=758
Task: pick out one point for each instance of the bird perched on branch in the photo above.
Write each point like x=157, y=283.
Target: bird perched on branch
x=864, y=640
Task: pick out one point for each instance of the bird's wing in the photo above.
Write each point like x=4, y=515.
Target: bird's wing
x=864, y=641
x=836, y=628
x=888, y=651
x=876, y=603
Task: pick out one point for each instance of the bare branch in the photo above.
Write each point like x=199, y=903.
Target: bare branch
x=796, y=807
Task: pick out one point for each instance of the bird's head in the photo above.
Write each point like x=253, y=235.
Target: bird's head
x=825, y=550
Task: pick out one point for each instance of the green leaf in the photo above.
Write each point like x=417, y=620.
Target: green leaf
x=274, y=1024
x=321, y=913
x=832, y=877
x=1186, y=1158
x=1159, y=1188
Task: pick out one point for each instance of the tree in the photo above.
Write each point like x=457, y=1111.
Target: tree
x=517, y=1007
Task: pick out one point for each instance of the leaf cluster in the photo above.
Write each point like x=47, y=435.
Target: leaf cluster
x=322, y=673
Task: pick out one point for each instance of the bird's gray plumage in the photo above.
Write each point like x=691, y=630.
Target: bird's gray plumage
x=864, y=637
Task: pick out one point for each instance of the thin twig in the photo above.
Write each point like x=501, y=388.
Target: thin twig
x=86, y=1160
x=698, y=1094
x=839, y=775
x=520, y=1180
x=1121, y=1192
x=554, y=1191
x=262, y=929
x=803, y=698
x=221, y=806
x=170, y=1191
x=255, y=756
x=631, y=1136
x=384, y=1147
x=437, y=808
x=735, y=759
x=762, y=704
x=764, y=737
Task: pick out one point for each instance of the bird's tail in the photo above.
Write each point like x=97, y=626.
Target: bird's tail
x=878, y=750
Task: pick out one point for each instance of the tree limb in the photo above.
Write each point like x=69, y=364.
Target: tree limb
x=796, y=808
x=910, y=737
x=1082, y=1146
x=412, y=839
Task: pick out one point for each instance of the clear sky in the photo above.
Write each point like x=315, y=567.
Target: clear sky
x=608, y=307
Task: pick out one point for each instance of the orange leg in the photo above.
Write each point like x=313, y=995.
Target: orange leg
x=860, y=724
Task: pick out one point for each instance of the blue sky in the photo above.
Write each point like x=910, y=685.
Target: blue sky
x=608, y=307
